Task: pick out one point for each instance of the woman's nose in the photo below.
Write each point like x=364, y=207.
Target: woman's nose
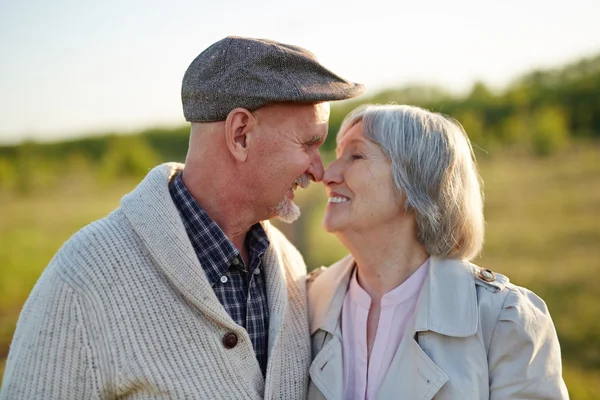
x=332, y=174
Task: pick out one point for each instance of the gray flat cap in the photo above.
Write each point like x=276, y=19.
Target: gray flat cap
x=251, y=73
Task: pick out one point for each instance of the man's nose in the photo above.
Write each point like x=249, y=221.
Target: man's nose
x=316, y=169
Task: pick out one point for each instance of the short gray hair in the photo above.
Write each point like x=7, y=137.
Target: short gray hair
x=434, y=167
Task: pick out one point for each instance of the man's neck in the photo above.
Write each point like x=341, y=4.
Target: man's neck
x=225, y=208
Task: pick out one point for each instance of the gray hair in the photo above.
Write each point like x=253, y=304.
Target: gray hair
x=434, y=168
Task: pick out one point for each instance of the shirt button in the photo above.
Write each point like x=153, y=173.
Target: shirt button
x=230, y=340
x=256, y=271
x=223, y=279
x=236, y=261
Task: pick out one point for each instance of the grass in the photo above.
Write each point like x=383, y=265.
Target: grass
x=543, y=231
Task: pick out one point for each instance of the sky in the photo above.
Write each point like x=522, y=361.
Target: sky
x=74, y=68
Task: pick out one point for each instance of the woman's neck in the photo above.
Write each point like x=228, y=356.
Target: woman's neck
x=385, y=257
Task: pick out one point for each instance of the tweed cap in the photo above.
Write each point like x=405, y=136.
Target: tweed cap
x=251, y=73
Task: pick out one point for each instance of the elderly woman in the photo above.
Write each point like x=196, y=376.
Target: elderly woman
x=406, y=315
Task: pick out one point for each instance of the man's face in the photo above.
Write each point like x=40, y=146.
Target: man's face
x=289, y=137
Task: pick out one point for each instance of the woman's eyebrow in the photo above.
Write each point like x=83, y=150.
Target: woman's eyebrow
x=352, y=141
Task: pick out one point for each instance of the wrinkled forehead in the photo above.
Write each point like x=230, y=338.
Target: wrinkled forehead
x=322, y=111
x=298, y=113
x=354, y=125
x=352, y=133
x=313, y=120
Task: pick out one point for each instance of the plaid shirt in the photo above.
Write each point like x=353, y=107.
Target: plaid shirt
x=241, y=291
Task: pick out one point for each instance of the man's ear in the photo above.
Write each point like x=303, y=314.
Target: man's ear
x=238, y=131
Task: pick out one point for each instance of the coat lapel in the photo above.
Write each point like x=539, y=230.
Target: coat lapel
x=277, y=296
x=326, y=298
x=326, y=370
x=166, y=240
x=289, y=344
x=447, y=303
x=412, y=374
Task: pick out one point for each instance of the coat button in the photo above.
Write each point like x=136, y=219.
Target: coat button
x=487, y=275
x=230, y=340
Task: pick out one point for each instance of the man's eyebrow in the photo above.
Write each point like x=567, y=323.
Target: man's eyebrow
x=314, y=140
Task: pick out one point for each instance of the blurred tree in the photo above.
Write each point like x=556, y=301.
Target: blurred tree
x=35, y=170
x=550, y=132
x=8, y=175
x=474, y=126
x=127, y=156
x=169, y=144
x=515, y=129
x=480, y=94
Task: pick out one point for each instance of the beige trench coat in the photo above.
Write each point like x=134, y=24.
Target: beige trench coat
x=470, y=339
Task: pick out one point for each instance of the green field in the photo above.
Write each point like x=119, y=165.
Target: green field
x=543, y=231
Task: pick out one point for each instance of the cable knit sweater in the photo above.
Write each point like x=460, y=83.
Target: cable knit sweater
x=124, y=310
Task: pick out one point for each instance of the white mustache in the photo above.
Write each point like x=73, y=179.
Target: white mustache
x=302, y=181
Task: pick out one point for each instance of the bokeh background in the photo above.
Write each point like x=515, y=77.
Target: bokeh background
x=89, y=102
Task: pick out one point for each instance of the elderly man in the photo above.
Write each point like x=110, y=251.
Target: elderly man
x=183, y=292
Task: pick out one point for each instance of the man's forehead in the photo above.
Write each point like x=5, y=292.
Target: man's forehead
x=322, y=112
x=297, y=112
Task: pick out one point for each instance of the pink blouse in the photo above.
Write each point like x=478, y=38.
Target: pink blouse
x=362, y=379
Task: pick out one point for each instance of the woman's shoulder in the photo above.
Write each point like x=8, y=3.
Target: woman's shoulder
x=511, y=319
x=520, y=339
x=509, y=303
x=326, y=276
x=497, y=283
x=497, y=297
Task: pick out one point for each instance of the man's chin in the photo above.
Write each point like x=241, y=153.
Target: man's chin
x=287, y=211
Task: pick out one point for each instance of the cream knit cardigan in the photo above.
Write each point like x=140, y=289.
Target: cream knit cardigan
x=124, y=310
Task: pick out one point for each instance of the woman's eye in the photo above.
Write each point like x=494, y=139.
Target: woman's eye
x=357, y=156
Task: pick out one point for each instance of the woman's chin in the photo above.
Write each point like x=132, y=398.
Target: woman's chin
x=331, y=225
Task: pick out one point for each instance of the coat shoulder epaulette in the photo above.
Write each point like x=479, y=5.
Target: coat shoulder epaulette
x=492, y=281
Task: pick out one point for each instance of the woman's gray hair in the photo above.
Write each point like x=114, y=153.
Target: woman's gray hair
x=434, y=168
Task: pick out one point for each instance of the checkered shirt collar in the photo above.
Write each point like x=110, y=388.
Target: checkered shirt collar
x=214, y=249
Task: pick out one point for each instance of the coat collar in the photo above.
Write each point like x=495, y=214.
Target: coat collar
x=326, y=295
x=447, y=303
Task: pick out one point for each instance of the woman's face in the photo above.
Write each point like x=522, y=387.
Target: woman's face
x=360, y=188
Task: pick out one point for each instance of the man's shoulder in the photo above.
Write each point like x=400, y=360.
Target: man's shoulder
x=95, y=247
x=101, y=232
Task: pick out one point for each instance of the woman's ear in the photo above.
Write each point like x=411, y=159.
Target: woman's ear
x=239, y=127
